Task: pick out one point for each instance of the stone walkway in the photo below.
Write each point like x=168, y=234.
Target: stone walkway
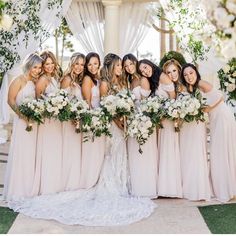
x=176, y=216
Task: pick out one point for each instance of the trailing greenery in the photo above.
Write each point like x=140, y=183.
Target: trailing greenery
x=220, y=219
x=7, y=218
x=25, y=14
x=227, y=77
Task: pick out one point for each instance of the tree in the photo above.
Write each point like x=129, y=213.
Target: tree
x=63, y=33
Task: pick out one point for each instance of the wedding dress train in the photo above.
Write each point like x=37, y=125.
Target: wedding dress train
x=106, y=204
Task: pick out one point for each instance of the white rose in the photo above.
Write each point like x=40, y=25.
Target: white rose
x=226, y=68
x=6, y=22
x=231, y=87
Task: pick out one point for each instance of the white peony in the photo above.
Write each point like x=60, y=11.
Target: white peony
x=226, y=68
x=6, y=22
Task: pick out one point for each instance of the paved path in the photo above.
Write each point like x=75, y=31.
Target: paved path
x=171, y=216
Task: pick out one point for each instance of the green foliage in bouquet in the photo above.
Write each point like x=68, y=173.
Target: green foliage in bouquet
x=227, y=76
x=65, y=113
x=172, y=55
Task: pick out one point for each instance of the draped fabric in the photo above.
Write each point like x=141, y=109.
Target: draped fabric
x=86, y=21
x=134, y=18
x=45, y=14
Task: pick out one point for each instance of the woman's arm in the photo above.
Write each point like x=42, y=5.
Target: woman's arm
x=206, y=87
x=14, y=89
x=40, y=86
x=66, y=82
x=103, y=89
x=87, y=85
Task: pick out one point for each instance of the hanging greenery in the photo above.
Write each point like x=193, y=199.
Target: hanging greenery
x=27, y=23
x=200, y=25
x=227, y=76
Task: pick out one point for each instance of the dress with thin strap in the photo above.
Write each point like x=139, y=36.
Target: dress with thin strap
x=48, y=177
x=92, y=152
x=20, y=169
x=72, y=148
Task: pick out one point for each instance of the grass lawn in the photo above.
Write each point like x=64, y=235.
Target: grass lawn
x=7, y=217
x=220, y=219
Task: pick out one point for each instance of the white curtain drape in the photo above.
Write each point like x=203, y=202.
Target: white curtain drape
x=50, y=19
x=134, y=18
x=86, y=21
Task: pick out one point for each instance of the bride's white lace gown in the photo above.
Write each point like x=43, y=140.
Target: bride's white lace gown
x=108, y=203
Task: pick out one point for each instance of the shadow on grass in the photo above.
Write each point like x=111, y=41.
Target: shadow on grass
x=7, y=217
x=220, y=219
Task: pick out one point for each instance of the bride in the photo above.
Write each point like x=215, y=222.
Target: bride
x=109, y=202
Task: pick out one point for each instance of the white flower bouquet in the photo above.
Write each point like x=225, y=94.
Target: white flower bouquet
x=140, y=127
x=185, y=108
x=57, y=105
x=94, y=123
x=77, y=108
x=32, y=110
x=192, y=107
x=153, y=108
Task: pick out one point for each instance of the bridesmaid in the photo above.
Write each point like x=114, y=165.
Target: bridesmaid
x=169, y=172
x=143, y=167
x=222, y=133
x=72, y=142
x=22, y=154
x=49, y=144
x=92, y=152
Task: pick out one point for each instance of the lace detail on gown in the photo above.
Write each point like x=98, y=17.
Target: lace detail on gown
x=107, y=204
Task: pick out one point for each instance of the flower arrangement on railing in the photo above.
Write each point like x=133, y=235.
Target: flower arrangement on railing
x=227, y=77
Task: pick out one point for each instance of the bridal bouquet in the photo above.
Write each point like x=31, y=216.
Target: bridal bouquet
x=57, y=105
x=108, y=104
x=140, y=127
x=77, y=108
x=94, y=123
x=124, y=103
x=153, y=108
x=33, y=110
x=118, y=106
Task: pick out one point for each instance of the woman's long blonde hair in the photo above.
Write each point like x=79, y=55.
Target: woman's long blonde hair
x=69, y=70
x=107, y=70
x=57, y=73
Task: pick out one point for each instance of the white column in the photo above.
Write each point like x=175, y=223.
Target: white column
x=111, y=31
